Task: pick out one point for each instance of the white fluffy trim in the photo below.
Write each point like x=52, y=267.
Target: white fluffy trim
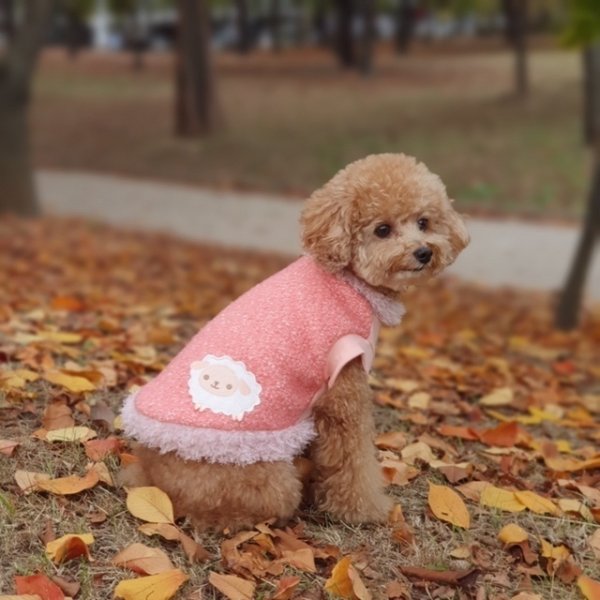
x=216, y=445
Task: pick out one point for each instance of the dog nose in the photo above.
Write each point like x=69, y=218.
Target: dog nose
x=423, y=254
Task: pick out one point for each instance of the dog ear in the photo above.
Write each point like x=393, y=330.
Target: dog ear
x=459, y=235
x=326, y=227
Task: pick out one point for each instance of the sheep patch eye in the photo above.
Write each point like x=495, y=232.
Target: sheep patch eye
x=206, y=377
x=229, y=386
x=383, y=230
x=423, y=223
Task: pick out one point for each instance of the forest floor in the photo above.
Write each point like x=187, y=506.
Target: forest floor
x=289, y=121
x=486, y=416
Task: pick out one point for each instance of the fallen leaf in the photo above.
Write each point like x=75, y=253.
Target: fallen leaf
x=40, y=585
x=527, y=596
x=100, y=449
x=590, y=588
x=143, y=559
x=512, y=534
x=418, y=450
x=345, y=582
x=71, y=434
x=73, y=383
x=68, y=303
x=233, y=587
x=302, y=559
x=397, y=591
x=392, y=440
x=194, y=551
x=560, y=552
x=69, y=546
x=150, y=504
x=473, y=489
x=461, y=552
x=64, y=486
x=445, y=577
x=419, y=401
x=285, y=588
x=157, y=587
x=57, y=416
x=496, y=497
x=571, y=505
x=29, y=481
x=7, y=447
x=505, y=435
x=536, y=503
x=448, y=506
x=499, y=397
x=594, y=543
x=464, y=433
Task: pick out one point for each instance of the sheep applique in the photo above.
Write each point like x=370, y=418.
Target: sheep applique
x=223, y=386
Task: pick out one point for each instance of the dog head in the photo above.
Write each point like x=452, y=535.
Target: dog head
x=387, y=219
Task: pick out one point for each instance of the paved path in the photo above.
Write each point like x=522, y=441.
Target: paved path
x=501, y=252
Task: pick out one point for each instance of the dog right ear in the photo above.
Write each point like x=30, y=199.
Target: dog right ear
x=326, y=222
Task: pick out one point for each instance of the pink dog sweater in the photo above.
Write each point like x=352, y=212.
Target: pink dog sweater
x=242, y=389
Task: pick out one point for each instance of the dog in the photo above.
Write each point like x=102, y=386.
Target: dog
x=282, y=372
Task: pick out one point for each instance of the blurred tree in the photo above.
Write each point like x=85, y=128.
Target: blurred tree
x=76, y=13
x=366, y=40
x=275, y=24
x=344, y=34
x=128, y=12
x=196, y=112
x=584, y=29
x=319, y=21
x=17, y=65
x=244, y=39
x=406, y=19
x=7, y=14
x=515, y=15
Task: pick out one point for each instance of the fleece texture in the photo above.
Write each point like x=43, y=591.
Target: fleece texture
x=242, y=389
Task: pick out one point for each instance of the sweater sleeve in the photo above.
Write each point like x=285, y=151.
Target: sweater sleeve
x=346, y=349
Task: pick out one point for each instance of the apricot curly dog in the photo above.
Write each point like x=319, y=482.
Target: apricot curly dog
x=282, y=371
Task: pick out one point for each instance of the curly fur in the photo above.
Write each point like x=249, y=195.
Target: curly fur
x=338, y=224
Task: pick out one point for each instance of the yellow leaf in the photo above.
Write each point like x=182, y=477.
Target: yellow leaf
x=69, y=546
x=402, y=385
x=73, y=383
x=71, y=434
x=512, y=534
x=499, y=397
x=157, y=587
x=461, y=552
x=420, y=401
x=555, y=552
x=448, y=506
x=233, y=587
x=339, y=583
x=62, y=337
x=64, y=486
x=496, y=497
x=17, y=379
x=150, y=504
x=143, y=559
x=536, y=503
x=418, y=450
x=29, y=481
x=590, y=588
x=573, y=505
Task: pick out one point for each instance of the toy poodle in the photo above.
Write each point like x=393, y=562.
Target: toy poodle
x=282, y=371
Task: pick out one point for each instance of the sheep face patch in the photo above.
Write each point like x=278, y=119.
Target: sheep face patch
x=224, y=386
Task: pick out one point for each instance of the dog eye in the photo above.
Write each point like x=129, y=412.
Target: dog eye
x=423, y=223
x=383, y=230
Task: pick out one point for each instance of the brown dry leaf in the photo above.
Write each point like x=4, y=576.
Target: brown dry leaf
x=64, y=486
x=499, y=397
x=505, y=435
x=29, y=481
x=194, y=551
x=402, y=385
x=473, y=489
x=69, y=546
x=40, y=585
x=464, y=433
x=537, y=504
x=73, y=383
x=590, y=588
x=571, y=505
x=417, y=451
x=419, y=401
x=7, y=447
x=102, y=471
x=150, y=504
x=143, y=559
x=302, y=559
x=57, y=416
x=448, y=506
x=162, y=586
x=443, y=577
x=512, y=534
x=500, y=498
x=392, y=440
x=397, y=591
x=71, y=434
x=396, y=472
x=233, y=587
x=527, y=596
x=286, y=587
x=594, y=543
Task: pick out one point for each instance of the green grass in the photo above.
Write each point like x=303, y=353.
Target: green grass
x=290, y=123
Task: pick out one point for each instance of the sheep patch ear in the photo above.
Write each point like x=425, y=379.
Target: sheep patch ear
x=244, y=388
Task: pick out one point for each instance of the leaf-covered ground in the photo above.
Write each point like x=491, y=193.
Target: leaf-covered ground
x=488, y=423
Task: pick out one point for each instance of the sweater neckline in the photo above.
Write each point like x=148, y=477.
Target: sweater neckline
x=388, y=310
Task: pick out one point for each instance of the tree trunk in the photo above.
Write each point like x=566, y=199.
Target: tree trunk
x=243, y=27
x=275, y=21
x=367, y=37
x=567, y=313
x=319, y=20
x=344, y=33
x=405, y=25
x=17, y=192
x=8, y=18
x=515, y=13
x=195, y=104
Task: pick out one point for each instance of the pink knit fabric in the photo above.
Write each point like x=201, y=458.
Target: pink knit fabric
x=251, y=374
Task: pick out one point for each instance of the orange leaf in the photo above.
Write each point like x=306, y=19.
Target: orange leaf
x=64, y=486
x=233, y=587
x=143, y=559
x=393, y=440
x=194, y=551
x=590, y=588
x=465, y=433
x=57, y=416
x=68, y=303
x=158, y=587
x=7, y=447
x=29, y=481
x=285, y=588
x=506, y=434
x=346, y=582
x=448, y=506
x=69, y=546
x=99, y=449
x=38, y=584
x=302, y=559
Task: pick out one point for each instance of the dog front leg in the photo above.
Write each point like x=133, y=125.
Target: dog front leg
x=347, y=479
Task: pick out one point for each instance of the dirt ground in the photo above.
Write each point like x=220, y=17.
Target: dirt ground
x=290, y=121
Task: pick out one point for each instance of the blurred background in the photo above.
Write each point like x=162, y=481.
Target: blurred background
x=499, y=97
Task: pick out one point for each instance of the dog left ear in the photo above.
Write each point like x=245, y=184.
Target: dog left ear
x=326, y=223
x=459, y=235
